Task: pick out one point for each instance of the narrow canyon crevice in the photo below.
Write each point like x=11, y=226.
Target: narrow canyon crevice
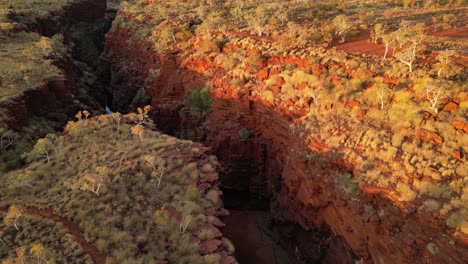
x=278, y=180
x=278, y=167
x=83, y=26
x=264, y=224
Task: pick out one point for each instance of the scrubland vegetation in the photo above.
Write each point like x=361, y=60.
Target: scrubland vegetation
x=27, y=58
x=28, y=62
x=135, y=198
x=395, y=109
x=35, y=68
x=397, y=112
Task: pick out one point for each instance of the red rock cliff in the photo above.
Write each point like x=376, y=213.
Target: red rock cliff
x=272, y=162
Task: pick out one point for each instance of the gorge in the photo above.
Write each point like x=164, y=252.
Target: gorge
x=271, y=164
x=310, y=168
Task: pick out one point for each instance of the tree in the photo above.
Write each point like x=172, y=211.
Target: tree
x=282, y=15
x=433, y=90
x=199, y=101
x=342, y=26
x=257, y=18
x=167, y=35
x=45, y=45
x=7, y=138
x=138, y=130
x=409, y=34
x=92, y=182
x=43, y=148
x=13, y=215
x=157, y=166
x=402, y=34
x=433, y=94
x=214, y=21
x=445, y=62
x=141, y=117
x=24, y=179
x=185, y=222
x=42, y=254
x=367, y=19
x=80, y=114
x=378, y=32
x=382, y=91
x=407, y=57
x=86, y=113
x=117, y=117
x=387, y=39
x=326, y=34
x=143, y=114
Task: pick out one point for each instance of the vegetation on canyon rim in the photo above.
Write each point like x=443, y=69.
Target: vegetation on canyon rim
x=399, y=116
x=26, y=65
x=134, y=197
x=30, y=63
x=128, y=194
x=406, y=104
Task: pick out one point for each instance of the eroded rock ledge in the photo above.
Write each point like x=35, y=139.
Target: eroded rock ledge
x=295, y=170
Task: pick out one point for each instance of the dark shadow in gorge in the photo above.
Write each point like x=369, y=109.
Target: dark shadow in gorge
x=252, y=168
x=252, y=181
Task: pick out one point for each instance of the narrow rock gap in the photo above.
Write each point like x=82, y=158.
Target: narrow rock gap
x=258, y=236
x=252, y=168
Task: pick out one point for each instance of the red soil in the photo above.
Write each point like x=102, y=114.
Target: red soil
x=453, y=33
x=361, y=44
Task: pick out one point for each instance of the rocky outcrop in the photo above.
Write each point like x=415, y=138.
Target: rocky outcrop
x=52, y=95
x=367, y=224
x=56, y=21
x=47, y=97
x=429, y=136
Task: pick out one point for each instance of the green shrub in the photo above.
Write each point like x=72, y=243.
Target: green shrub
x=141, y=98
x=244, y=133
x=432, y=248
x=199, y=101
x=346, y=183
x=455, y=220
x=433, y=205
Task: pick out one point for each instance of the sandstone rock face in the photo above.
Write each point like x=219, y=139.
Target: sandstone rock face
x=371, y=224
x=46, y=97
